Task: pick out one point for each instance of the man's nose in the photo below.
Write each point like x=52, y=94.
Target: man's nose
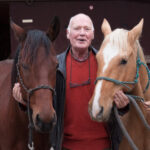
x=82, y=31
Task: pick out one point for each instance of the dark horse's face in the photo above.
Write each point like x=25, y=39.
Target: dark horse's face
x=37, y=66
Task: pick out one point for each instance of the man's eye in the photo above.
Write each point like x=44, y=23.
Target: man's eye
x=87, y=29
x=76, y=29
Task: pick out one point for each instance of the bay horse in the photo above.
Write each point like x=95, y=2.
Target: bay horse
x=34, y=67
x=118, y=59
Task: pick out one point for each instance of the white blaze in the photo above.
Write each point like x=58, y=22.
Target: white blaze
x=109, y=53
x=95, y=106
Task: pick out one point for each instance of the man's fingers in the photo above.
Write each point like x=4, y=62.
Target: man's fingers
x=117, y=101
x=17, y=93
x=120, y=99
x=147, y=105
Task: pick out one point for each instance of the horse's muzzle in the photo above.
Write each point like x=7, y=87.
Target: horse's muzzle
x=98, y=117
x=45, y=127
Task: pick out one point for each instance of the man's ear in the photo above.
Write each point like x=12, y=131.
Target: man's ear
x=67, y=33
x=93, y=35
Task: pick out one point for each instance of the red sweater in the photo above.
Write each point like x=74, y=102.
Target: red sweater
x=80, y=132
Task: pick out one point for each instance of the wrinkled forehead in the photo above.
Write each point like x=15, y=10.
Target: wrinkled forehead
x=82, y=21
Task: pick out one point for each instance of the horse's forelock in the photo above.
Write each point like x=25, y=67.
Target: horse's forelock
x=34, y=40
x=118, y=38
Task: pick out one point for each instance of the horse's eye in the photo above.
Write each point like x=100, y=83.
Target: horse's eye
x=24, y=66
x=123, y=62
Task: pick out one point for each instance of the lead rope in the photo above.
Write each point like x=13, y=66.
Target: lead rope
x=30, y=126
x=127, y=136
x=123, y=129
x=131, y=98
x=148, y=74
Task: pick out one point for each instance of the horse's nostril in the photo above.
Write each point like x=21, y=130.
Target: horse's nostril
x=45, y=126
x=38, y=121
x=37, y=118
x=100, y=112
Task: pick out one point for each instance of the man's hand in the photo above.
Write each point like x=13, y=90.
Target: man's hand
x=17, y=94
x=121, y=100
x=147, y=105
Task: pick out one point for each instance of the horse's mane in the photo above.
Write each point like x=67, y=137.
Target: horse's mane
x=34, y=39
x=141, y=52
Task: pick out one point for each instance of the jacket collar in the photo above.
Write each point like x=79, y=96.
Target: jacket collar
x=62, y=60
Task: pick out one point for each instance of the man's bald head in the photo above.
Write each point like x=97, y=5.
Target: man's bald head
x=80, y=16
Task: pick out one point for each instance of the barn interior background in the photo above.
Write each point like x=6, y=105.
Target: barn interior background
x=38, y=14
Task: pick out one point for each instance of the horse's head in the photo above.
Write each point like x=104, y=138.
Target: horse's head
x=36, y=71
x=116, y=63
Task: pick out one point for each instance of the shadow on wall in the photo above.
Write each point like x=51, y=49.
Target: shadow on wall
x=5, y=50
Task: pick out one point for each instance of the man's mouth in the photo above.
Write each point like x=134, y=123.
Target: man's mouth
x=82, y=40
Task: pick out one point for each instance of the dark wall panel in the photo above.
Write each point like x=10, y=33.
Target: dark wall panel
x=4, y=32
x=124, y=14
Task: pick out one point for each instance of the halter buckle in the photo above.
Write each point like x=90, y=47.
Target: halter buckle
x=31, y=146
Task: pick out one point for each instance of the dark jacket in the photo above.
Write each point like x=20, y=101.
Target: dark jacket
x=59, y=103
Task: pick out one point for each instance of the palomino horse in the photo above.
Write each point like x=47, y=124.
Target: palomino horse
x=35, y=68
x=118, y=70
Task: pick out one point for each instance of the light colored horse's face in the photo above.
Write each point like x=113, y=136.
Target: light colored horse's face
x=116, y=60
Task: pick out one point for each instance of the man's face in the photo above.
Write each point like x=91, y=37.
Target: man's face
x=81, y=32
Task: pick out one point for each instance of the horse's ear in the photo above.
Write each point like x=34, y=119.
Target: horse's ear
x=135, y=32
x=18, y=31
x=106, y=29
x=54, y=29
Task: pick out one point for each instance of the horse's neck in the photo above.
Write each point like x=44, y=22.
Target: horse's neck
x=139, y=90
x=142, y=82
x=143, y=78
x=141, y=85
x=132, y=120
